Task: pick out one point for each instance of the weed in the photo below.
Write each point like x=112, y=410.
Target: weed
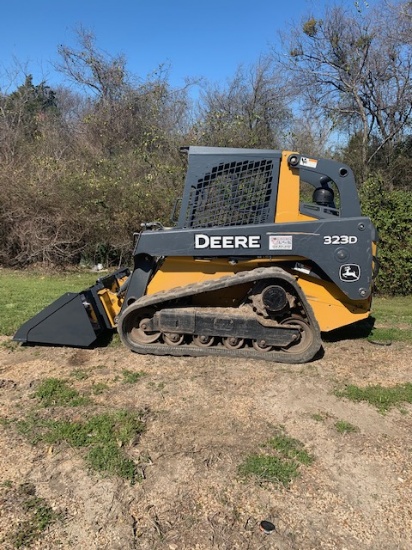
x=290, y=448
x=99, y=388
x=381, y=397
x=6, y=483
x=281, y=465
x=100, y=367
x=79, y=374
x=33, y=427
x=39, y=516
x=344, y=427
x=4, y=421
x=157, y=387
x=115, y=342
x=104, y=436
x=131, y=377
x=269, y=468
x=318, y=417
x=109, y=458
x=56, y=392
x=10, y=345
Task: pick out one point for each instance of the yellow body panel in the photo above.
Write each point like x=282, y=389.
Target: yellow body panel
x=181, y=271
x=331, y=308
x=287, y=204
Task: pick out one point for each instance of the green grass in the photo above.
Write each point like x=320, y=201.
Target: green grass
x=385, y=336
x=344, y=427
x=289, y=448
x=131, y=377
x=80, y=374
x=383, y=398
x=279, y=463
x=54, y=392
x=104, y=435
x=394, y=310
x=39, y=515
x=393, y=319
x=26, y=293
x=99, y=388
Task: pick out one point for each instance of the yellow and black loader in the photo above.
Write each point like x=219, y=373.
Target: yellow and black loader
x=270, y=251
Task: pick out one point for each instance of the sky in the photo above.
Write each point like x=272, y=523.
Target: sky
x=192, y=38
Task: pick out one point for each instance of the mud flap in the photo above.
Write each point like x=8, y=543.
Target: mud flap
x=65, y=322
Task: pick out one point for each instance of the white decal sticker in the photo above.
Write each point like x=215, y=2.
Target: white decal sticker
x=280, y=242
x=311, y=163
x=226, y=241
x=349, y=273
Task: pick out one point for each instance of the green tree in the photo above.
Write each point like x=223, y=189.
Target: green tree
x=23, y=114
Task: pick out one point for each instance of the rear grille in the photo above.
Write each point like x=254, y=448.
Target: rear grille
x=233, y=193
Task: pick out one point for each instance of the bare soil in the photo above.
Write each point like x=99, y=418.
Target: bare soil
x=204, y=417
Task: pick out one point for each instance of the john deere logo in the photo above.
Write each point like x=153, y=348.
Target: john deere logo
x=349, y=273
x=227, y=241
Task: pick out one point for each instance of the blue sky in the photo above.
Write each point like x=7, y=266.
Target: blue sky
x=207, y=38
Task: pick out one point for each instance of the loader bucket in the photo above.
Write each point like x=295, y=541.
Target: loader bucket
x=64, y=322
x=74, y=319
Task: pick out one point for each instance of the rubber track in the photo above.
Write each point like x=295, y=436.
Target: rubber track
x=216, y=284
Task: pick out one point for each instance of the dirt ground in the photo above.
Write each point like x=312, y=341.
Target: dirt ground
x=204, y=417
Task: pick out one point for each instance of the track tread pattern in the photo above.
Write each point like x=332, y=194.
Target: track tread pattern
x=192, y=350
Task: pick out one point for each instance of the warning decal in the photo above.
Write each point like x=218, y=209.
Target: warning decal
x=311, y=163
x=280, y=242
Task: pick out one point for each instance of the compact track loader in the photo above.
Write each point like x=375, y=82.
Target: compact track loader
x=270, y=250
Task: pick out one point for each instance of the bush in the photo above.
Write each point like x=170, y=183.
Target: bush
x=391, y=212
x=63, y=212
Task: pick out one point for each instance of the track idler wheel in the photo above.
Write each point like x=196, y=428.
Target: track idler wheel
x=138, y=329
x=306, y=335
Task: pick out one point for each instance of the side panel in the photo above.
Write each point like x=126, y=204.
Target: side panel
x=342, y=248
x=331, y=307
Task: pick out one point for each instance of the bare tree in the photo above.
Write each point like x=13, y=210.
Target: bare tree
x=94, y=70
x=250, y=111
x=356, y=71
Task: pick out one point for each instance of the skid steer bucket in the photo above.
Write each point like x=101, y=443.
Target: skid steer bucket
x=74, y=319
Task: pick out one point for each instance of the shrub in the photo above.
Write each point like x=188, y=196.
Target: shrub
x=391, y=212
